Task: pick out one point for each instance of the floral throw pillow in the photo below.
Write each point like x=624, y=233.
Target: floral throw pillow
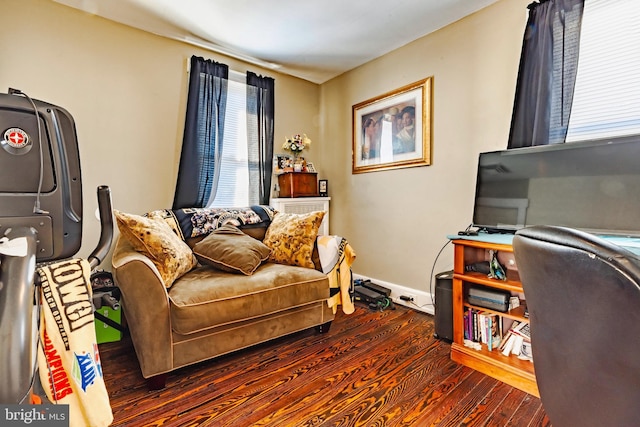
x=154, y=238
x=291, y=238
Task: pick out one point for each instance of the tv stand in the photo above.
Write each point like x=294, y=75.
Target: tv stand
x=508, y=369
x=473, y=249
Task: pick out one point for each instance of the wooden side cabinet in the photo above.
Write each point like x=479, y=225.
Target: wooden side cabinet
x=298, y=184
x=508, y=369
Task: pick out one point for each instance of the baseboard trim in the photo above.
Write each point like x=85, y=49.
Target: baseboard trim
x=423, y=301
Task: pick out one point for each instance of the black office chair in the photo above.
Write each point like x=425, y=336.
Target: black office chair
x=583, y=297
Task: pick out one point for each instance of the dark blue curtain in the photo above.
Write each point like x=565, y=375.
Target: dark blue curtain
x=260, y=119
x=203, y=130
x=547, y=73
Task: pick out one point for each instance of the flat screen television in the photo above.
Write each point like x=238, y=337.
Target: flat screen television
x=592, y=185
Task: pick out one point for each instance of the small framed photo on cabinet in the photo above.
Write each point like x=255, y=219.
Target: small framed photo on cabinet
x=323, y=187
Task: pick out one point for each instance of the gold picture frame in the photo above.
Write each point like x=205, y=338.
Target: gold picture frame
x=393, y=130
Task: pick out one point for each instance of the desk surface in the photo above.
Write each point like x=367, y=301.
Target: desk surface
x=632, y=244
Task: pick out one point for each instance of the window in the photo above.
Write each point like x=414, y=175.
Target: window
x=606, y=101
x=233, y=186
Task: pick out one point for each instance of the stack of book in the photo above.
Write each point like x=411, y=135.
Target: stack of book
x=517, y=341
x=485, y=329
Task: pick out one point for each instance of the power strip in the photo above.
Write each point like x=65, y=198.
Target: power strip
x=375, y=300
x=366, y=294
x=374, y=287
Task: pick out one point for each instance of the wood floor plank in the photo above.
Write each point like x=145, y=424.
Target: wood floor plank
x=506, y=409
x=476, y=402
x=381, y=388
x=438, y=410
x=486, y=408
x=331, y=405
x=412, y=386
x=303, y=372
x=359, y=363
x=371, y=369
x=526, y=412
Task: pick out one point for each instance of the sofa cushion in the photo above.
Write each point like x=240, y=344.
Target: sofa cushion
x=206, y=297
x=154, y=238
x=229, y=249
x=291, y=238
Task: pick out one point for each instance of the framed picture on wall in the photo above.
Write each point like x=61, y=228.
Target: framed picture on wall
x=393, y=130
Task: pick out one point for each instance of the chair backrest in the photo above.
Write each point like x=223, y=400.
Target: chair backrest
x=583, y=298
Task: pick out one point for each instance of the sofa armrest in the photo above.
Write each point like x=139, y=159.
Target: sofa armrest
x=146, y=306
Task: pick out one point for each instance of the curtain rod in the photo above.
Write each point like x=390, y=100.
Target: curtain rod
x=536, y=4
x=233, y=74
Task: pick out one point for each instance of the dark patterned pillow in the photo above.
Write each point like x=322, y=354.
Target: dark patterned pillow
x=196, y=222
x=227, y=248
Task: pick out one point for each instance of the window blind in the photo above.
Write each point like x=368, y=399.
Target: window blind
x=606, y=101
x=233, y=186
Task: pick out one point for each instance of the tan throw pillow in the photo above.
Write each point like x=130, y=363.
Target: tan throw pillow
x=154, y=238
x=291, y=238
x=169, y=217
x=227, y=248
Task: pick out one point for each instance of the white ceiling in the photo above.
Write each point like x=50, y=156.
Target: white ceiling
x=315, y=40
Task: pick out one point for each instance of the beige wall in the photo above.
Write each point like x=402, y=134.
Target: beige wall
x=126, y=90
x=397, y=220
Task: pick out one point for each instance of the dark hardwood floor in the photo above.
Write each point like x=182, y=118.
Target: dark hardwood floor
x=370, y=369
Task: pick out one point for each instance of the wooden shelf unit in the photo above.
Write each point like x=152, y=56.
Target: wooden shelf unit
x=508, y=369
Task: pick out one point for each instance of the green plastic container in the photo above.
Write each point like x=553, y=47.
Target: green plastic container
x=104, y=332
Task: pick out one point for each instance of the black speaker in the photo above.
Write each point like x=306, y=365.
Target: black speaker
x=444, y=306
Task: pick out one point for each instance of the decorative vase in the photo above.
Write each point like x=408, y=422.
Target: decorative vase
x=297, y=164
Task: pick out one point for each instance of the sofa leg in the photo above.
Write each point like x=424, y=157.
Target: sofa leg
x=157, y=382
x=324, y=328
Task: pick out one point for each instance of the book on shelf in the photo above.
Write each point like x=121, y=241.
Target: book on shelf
x=473, y=325
x=508, y=335
x=465, y=322
x=496, y=331
x=517, y=341
x=483, y=327
x=493, y=330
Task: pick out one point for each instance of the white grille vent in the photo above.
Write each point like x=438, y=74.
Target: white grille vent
x=303, y=205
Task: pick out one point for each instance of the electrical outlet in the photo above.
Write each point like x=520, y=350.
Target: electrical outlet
x=408, y=297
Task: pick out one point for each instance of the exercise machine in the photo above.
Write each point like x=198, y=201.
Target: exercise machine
x=40, y=222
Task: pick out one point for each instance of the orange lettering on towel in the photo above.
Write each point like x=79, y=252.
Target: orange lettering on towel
x=58, y=379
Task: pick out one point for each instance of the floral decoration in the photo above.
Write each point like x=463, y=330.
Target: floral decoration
x=296, y=144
